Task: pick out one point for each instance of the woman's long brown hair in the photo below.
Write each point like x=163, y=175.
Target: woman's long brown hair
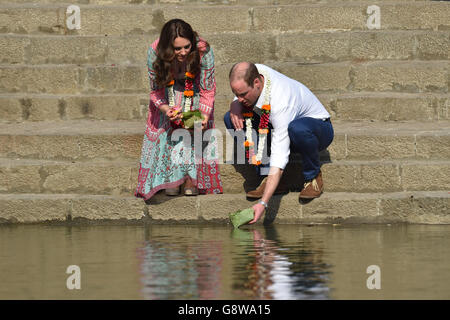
x=165, y=59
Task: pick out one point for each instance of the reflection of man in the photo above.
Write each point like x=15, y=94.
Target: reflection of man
x=298, y=120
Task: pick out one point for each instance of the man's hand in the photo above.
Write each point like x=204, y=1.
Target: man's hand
x=259, y=210
x=236, y=115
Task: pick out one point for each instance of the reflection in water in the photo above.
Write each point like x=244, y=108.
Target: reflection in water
x=190, y=270
x=218, y=262
x=277, y=271
x=262, y=268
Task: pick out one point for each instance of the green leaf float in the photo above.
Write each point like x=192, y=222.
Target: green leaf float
x=189, y=117
x=242, y=217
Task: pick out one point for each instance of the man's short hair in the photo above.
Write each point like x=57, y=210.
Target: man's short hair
x=249, y=74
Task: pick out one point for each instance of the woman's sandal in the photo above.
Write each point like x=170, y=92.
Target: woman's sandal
x=191, y=191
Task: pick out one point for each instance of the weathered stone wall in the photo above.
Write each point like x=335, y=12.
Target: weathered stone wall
x=73, y=106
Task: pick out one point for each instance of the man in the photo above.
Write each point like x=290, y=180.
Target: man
x=298, y=120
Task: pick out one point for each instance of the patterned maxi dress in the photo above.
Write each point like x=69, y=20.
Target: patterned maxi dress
x=165, y=162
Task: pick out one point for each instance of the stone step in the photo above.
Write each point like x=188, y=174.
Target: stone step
x=183, y=2
x=122, y=140
x=332, y=208
x=379, y=76
x=304, y=17
x=228, y=48
x=348, y=106
x=120, y=177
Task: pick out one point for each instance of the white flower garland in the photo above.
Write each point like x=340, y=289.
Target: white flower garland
x=248, y=121
x=171, y=96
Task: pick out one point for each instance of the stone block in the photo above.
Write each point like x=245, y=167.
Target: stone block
x=107, y=208
x=426, y=177
x=417, y=208
x=339, y=177
x=107, y=178
x=128, y=20
x=19, y=179
x=43, y=79
x=26, y=20
x=106, y=107
x=211, y=19
x=209, y=211
x=45, y=147
x=222, y=80
x=321, y=18
x=433, y=146
x=378, y=178
x=32, y=209
x=443, y=105
x=10, y=109
x=13, y=49
x=362, y=147
x=313, y=48
x=384, y=108
x=115, y=79
x=111, y=147
x=233, y=48
x=401, y=76
x=128, y=50
x=328, y=209
x=41, y=109
x=318, y=77
x=433, y=46
x=369, y=46
x=163, y=208
x=67, y=50
x=337, y=150
x=415, y=16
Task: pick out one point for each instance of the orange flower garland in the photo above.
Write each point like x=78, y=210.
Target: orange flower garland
x=188, y=93
x=263, y=128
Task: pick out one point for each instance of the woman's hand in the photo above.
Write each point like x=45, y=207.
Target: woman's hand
x=173, y=114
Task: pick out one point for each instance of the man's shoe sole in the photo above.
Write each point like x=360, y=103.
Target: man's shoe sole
x=310, y=197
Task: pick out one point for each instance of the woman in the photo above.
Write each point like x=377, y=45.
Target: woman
x=181, y=71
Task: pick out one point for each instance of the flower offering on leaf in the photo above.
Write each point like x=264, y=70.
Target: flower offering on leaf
x=242, y=217
x=190, y=117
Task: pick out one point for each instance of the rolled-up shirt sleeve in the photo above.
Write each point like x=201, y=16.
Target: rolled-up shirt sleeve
x=280, y=145
x=157, y=94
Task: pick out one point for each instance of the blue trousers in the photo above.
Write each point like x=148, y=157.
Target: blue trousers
x=308, y=137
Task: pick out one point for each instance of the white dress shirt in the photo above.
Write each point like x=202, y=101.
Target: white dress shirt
x=289, y=100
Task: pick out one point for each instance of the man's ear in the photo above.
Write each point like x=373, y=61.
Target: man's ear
x=256, y=82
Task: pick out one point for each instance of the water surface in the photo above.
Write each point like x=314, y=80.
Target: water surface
x=217, y=262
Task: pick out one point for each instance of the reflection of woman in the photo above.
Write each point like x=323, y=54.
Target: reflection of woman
x=181, y=71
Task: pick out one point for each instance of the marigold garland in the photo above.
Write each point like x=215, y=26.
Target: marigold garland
x=188, y=93
x=263, y=128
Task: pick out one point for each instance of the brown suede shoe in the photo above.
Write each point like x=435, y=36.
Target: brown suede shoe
x=258, y=192
x=312, y=189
